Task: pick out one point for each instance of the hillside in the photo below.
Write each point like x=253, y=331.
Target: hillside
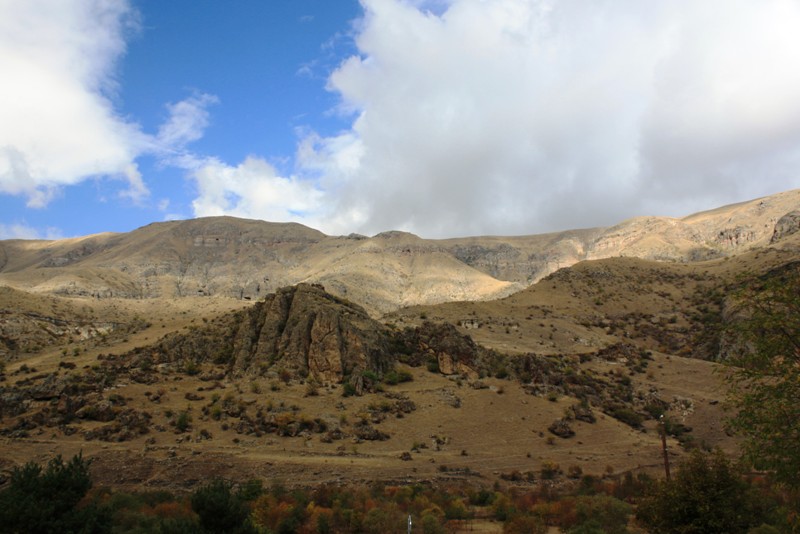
x=302, y=384
x=245, y=259
x=305, y=386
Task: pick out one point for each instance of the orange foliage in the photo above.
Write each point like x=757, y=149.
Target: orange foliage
x=268, y=513
x=173, y=510
x=314, y=514
x=557, y=513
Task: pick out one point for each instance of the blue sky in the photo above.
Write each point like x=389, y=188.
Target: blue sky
x=439, y=117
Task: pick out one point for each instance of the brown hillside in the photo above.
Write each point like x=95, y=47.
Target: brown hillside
x=244, y=259
x=570, y=371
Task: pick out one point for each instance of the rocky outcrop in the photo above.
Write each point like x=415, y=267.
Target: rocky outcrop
x=786, y=226
x=311, y=332
x=454, y=353
x=301, y=329
x=735, y=237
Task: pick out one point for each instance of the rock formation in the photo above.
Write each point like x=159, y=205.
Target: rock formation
x=786, y=226
x=311, y=332
x=301, y=329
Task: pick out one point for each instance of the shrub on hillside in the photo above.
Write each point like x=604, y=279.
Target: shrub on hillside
x=707, y=494
x=221, y=510
x=602, y=512
x=47, y=500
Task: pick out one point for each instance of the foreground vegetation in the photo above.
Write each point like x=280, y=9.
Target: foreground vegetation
x=708, y=494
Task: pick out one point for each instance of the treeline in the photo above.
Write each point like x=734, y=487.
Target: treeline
x=708, y=494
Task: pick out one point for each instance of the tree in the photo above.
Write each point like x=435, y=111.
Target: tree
x=47, y=500
x=707, y=494
x=603, y=513
x=764, y=373
x=221, y=510
x=524, y=524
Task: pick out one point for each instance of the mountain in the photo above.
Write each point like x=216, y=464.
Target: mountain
x=246, y=259
x=168, y=356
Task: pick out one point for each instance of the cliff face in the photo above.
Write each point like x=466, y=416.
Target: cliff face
x=787, y=225
x=300, y=329
x=303, y=331
x=310, y=332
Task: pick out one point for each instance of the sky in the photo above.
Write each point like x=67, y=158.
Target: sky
x=443, y=118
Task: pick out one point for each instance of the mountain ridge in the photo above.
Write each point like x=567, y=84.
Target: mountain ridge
x=247, y=259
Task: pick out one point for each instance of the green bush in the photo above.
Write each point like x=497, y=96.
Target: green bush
x=626, y=415
x=394, y=377
x=251, y=489
x=707, y=494
x=431, y=524
x=609, y=514
x=370, y=375
x=184, y=421
x=432, y=365
x=47, y=500
x=220, y=510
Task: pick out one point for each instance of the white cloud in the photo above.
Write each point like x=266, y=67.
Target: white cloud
x=466, y=117
x=253, y=189
x=187, y=121
x=58, y=126
x=519, y=116
x=23, y=231
x=57, y=123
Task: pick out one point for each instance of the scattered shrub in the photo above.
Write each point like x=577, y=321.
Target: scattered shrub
x=183, y=421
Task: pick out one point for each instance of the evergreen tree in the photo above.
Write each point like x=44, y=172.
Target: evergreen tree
x=46, y=501
x=707, y=494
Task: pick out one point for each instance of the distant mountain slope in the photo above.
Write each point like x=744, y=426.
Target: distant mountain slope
x=247, y=259
x=671, y=307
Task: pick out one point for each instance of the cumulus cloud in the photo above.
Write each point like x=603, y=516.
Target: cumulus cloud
x=463, y=117
x=253, y=189
x=57, y=123
x=521, y=116
x=23, y=231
